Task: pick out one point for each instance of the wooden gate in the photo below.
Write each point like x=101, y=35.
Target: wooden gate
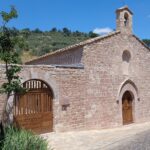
x=33, y=110
x=127, y=108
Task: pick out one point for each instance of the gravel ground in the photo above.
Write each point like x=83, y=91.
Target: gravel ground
x=139, y=141
x=130, y=137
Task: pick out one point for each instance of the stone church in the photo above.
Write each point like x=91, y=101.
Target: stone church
x=102, y=82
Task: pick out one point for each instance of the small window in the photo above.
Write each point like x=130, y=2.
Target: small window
x=126, y=56
x=126, y=19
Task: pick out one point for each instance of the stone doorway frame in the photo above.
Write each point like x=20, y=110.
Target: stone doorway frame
x=128, y=85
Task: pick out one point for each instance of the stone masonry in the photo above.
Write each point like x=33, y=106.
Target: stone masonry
x=92, y=81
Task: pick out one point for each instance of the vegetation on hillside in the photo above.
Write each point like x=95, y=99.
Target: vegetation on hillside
x=147, y=42
x=39, y=42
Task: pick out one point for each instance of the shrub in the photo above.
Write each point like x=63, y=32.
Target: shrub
x=16, y=139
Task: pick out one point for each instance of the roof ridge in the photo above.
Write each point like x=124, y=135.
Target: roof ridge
x=141, y=41
x=74, y=46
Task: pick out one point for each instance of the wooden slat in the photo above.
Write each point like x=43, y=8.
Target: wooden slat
x=33, y=110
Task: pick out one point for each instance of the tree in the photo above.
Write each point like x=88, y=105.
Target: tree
x=66, y=31
x=8, y=54
x=77, y=33
x=147, y=42
x=37, y=31
x=25, y=32
x=53, y=30
x=92, y=35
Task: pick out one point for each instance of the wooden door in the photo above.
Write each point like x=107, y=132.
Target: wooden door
x=127, y=108
x=33, y=110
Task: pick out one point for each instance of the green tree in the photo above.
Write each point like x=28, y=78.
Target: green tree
x=147, y=42
x=37, y=30
x=25, y=32
x=66, y=31
x=8, y=54
x=53, y=30
x=92, y=35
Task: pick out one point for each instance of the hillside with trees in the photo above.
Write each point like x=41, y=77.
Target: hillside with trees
x=36, y=43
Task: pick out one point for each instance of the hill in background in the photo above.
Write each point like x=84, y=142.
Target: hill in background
x=37, y=42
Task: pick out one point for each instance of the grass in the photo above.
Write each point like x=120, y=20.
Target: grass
x=19, y=139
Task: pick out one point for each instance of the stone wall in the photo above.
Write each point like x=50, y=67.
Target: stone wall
x=92, y=94
x=67, y=85
x=72, y=56
x=104, y=67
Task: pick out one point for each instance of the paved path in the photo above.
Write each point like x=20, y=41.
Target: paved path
x=129, y=137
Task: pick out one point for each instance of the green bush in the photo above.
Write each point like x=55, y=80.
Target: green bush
x=16, y=139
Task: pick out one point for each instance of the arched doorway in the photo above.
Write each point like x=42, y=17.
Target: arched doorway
x=33, y=110
x=127, y=108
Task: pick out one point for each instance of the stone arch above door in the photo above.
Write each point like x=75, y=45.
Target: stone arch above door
x=31, y=74
x=130, y=86
x=33, y=110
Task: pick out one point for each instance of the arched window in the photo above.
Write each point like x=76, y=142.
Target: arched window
x=126, y=57
x=126, y=19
